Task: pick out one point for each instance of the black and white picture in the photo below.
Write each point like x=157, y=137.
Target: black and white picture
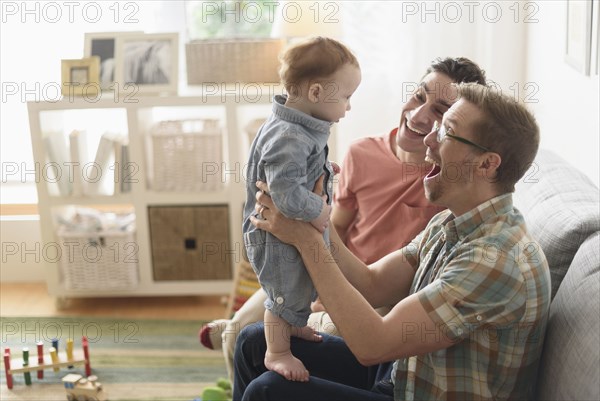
x=104, y=45
x=148, y=61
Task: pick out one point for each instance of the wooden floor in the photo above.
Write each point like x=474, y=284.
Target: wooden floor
x=32, y=299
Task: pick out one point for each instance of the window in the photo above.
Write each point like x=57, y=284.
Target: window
x=230, y=19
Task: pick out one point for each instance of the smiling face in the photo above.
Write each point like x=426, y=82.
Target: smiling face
x=427, y=105
x=453, y=182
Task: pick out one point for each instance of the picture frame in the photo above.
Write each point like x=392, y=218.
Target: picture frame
x=80, y=77
x=148, y=61
x=595, y=49
x=579, y=35
x=104, y=45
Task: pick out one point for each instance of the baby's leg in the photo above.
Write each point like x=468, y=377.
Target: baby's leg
x=278, y=357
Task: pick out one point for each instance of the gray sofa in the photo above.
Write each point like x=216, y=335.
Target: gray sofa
x=562, y=210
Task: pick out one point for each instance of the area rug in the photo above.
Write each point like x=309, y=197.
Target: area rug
x=133, y=359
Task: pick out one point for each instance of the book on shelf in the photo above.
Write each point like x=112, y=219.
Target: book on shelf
x=127, y=168
x=57, y=153
x=111, y=161
x=103, y=161
x=121, y=166
x=117, y=166
x=78, y=151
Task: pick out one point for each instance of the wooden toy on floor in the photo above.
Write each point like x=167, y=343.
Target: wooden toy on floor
x=79, y=388
x=54, y=361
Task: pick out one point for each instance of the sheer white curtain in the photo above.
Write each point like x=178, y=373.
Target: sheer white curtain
x=395, y=41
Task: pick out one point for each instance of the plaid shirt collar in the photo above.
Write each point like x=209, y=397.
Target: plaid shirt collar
x=458, y=228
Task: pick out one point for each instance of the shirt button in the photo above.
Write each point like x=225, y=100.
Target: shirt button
x=459, y=331
x=479, y=318
x=279, y=300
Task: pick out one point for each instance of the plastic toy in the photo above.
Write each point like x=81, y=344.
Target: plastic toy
x=54, y=361
x=220, y=392
x=80, y=389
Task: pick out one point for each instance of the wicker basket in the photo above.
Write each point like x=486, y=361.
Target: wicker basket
x=98, y=261
x=226, y=61
x=187, y=156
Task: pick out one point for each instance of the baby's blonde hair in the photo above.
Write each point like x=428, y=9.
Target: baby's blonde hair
x=312, y=59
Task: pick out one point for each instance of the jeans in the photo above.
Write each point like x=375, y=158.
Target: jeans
x=335, y=373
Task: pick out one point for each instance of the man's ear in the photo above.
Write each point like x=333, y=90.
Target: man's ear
x=315, y=91
x=489, y=164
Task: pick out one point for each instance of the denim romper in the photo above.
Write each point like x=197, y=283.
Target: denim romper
x=290, y=154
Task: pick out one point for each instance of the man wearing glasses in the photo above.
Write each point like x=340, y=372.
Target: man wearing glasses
x=472, y=290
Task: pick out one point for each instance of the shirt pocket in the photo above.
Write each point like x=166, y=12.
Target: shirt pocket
x=255, y=243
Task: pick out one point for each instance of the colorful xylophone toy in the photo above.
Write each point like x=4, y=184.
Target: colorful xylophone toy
x=54, y=360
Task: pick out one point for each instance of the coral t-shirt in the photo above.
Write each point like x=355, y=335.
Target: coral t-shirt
x=389, y=192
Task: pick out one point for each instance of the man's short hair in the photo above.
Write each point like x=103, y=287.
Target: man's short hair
x=507, y=128
x=458, y=69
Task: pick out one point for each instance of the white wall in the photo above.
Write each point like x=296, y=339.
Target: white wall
x=567, y=110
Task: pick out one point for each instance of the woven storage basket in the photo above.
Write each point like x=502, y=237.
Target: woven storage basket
x=98, y=261
x=188, y=155
x=225, y=61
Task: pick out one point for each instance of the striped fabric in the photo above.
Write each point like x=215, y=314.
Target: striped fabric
x=490, y=294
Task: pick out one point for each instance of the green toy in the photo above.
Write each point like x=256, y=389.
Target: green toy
x=220, y=392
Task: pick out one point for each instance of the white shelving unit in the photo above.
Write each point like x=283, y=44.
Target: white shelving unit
x=134, y=117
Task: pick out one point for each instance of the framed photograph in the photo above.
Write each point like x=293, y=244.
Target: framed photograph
x=595, y=52
x=81, y=77
x=579, y=35
x=104, y=45
x=148, y=61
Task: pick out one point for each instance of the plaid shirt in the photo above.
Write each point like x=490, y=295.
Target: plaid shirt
x=489, y=291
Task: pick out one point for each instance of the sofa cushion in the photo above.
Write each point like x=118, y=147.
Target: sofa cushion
x=561, y=209
x=570, y=365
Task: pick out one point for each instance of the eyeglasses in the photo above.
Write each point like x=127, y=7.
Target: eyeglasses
x=442, y=133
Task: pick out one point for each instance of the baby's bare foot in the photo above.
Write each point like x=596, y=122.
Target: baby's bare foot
x=287, y=365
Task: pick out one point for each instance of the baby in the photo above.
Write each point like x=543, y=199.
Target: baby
x=290, y=153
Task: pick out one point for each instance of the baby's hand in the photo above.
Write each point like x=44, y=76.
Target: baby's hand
x=322, y=222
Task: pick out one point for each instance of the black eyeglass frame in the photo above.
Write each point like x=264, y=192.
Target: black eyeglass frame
x=441, y=134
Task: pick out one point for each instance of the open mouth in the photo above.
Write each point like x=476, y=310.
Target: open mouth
x=415, y=132
x=435, y=169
